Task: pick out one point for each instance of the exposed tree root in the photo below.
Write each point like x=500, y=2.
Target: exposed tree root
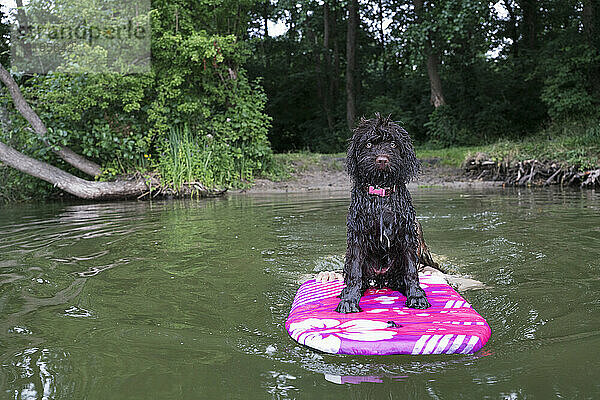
x=187, y=190
x=530, y=172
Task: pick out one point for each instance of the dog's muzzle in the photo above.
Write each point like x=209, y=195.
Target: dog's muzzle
x=382, y=161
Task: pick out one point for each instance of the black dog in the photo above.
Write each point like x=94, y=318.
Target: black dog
x=382, y=230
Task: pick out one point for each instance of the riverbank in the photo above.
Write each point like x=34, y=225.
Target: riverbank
x=307, y=172
x=567, y=154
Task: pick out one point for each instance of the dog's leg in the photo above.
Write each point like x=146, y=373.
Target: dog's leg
x=353, y=291
x=415, y=295
x=423, y=254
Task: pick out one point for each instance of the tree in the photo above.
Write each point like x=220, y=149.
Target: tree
x=77, y=161
x=130, y=123
x=351, y=46
x=57, y=177
x=432, y=59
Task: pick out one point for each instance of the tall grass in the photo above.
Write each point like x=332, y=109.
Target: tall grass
x=180, y=156
x=190, y=156
x=572, y=142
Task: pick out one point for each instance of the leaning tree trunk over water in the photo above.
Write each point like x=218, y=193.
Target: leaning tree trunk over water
x=351, y=63
x=71, y=183
x=77, y=161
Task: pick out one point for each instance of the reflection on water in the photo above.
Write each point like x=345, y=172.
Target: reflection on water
x=187, y=299
x=340, y=380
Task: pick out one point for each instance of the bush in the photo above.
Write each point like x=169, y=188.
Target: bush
x=220, y=153
x=445, y=131
x=567, y=92
x=101, y=116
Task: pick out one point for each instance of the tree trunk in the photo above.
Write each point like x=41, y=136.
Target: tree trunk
x=589, y=29
x=514, y=32
x=316, y=56
x=326, y=32
x=70, y=183
x=266, y=5
x=382, y=44
x=265, y=16
x=336, y=57
x=351, y=63
x=433, y=62
x=530, y=15
x=77, y=161
x=24, y=26
x=327, y=92
x=292, y=35
x=588, y=21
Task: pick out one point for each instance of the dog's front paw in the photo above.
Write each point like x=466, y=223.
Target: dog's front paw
x=419, y=302
x=347, y=307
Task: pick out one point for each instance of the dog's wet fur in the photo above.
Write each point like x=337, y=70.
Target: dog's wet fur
x=383, y=237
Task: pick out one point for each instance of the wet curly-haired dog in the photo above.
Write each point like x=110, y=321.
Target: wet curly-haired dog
x=382, y=231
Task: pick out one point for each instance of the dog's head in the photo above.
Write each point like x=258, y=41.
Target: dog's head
x=381, y=153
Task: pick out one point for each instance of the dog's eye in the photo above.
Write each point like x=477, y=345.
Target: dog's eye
x=369, y=145
x=393, y=144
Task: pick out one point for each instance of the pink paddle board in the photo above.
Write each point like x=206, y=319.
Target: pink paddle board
x=386, y=325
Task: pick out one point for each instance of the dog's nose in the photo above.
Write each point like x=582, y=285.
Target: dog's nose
x=382, y=161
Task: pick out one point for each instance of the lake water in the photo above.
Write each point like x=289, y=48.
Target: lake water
x=187, y=299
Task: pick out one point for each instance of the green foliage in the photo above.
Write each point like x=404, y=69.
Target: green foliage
x=444, y=129
x=504, y=74
x=194, y=116
x=406, y=100
x=567, y=90
x=195, y=156
x=574, y=142
x=15, y=185
x=299, y=81
x=220, y=92
x=201, y=85
x=458, y=27
x=99, y=115
x=451, y=157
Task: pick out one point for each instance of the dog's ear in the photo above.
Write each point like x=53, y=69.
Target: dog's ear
x=411, y=169
x=351, y=161
x=353, y=143
x=411, y=165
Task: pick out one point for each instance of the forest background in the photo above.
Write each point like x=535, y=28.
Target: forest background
x=233, y=82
